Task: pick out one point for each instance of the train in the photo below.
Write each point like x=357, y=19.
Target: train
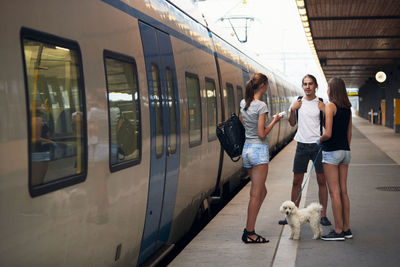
x=108, y=146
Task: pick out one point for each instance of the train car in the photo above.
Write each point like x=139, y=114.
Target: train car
x=108, y=112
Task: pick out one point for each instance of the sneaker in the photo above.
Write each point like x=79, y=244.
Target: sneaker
x=282, y=222
x=333, y=236
x=348, y=234
x=325, y=222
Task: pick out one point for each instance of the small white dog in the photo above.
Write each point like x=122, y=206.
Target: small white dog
x=296, y=217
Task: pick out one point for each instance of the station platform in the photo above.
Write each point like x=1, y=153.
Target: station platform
x=373, y=186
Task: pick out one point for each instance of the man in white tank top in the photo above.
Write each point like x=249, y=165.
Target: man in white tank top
x=308, y=110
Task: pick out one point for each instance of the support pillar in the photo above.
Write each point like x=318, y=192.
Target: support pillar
x=371, y=119
x=396, y=111
x=383, y=111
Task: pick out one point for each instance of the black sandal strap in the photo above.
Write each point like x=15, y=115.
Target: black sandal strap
x=247, y=234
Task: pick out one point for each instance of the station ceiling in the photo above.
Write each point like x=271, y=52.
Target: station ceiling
x=354, y=38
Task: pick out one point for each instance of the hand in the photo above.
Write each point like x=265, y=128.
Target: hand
x=318, y=143
x=296, y=105
x=277, y=117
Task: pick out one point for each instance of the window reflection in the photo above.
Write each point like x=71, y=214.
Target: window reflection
x=56, y=111
x=193, y=92
x=124, y=110
x=231, y=99
x=172, y=109
x=155, y=73
x=240, y=97
x=211, y=109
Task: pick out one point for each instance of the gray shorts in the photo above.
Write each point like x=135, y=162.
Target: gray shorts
x=305, y=153
x=336, y=157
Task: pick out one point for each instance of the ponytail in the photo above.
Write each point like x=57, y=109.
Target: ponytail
x=252, y=86
x=249, y=94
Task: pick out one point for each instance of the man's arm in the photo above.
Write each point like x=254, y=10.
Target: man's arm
x=292, y=117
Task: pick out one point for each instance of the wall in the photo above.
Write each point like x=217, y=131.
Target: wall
x=371, y=93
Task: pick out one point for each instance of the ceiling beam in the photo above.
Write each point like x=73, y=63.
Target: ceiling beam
x=350, y=65
x=349, y=75
x=346, y=70
x=352, y=18
x=356, y=37
x=358, y=50
x=358, y=58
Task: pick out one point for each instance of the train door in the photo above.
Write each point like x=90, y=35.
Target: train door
x=164, y=136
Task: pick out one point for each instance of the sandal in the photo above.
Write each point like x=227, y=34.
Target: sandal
x=248, y=240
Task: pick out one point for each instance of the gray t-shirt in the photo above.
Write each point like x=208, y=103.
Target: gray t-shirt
x=250, y=119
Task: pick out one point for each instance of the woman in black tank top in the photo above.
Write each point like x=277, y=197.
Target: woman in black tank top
x=339, y=138
x=336, y=156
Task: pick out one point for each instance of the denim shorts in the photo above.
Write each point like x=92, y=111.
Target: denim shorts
x=336, y=157
x=255, y=154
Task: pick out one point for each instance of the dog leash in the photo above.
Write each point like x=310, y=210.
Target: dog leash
x=305, y=182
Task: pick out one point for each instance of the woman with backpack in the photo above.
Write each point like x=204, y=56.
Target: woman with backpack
x=255, y=153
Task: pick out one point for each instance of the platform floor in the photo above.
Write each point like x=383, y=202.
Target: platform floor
x=375, y=214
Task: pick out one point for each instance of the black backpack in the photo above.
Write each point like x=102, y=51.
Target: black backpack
x=231, y=135
x=321, y=115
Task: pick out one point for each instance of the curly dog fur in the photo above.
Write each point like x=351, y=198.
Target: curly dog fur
x=297, y=217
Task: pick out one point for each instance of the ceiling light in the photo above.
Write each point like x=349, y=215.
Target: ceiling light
x=62, y=48
x=302, y=11
x=300, y=3
x=380, y=76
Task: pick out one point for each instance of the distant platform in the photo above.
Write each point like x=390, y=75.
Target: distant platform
x=373, y=185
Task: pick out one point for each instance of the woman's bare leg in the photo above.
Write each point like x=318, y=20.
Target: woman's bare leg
x=332, y=177
x=343, y=170
x=258, y=191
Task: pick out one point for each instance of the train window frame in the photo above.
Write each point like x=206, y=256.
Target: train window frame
x=213, y=137
x=114, y=167
x=174, y=147
x=196, y=77
x=159, y=90
x=230, y=86
x=239, y=88
x=69, y=180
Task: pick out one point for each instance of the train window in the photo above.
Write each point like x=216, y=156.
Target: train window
x=211, y=109
x=231, y=99
x=124, y=110
x=240, y=97
x=172, y=110
x=193, y=92
x=56, y=113
x=155, y=74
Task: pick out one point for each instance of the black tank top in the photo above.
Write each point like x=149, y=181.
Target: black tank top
x=338, y=140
